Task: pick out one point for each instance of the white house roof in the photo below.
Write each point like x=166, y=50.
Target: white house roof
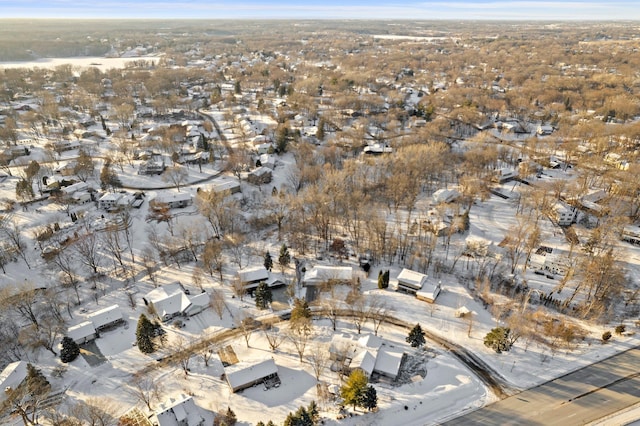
x=80, y=186
x=365, y=361
x=105, y=316
x=12, y=376
x=111, y=196
x=163, y=292
x=445, y=195
x=172, y=304
x=224, y=184
x=80, y=331
x=200, y=299
x=179, y=412
x=388, y=362
x=370, y=341
x=430, y=290
x=253, y=274
x=412, y=279
x=242, y=373
x=173, y=198
x=198, y=303
x=322, y=273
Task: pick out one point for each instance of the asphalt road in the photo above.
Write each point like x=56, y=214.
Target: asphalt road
x=577, y=398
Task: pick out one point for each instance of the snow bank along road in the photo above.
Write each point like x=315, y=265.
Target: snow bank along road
x=577, y=398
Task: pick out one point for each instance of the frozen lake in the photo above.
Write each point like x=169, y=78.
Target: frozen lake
x=99, y=62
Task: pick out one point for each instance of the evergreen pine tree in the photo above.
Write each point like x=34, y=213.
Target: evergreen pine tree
x=370, y=398
x=380, y=279
x=284, y=258
x=70, y=350
x=144, y=335
x=313, y=411
x=416, y=337
x=268, y=260
x=263, y=296
x=385, y=277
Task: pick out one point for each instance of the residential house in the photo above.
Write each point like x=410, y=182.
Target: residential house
x=67, y=169
x=11, y=377
x=109, y=200
x=198, y=303
x=243, y=375
x=631, y=234
x=65, y=145
x=565, y=215
x=106, y=318
x=505, y=174
x=225, y=184
x=321, y=274
x=168, y=301
x=181, y=411
x=259, y=176
x=82, y=333
x=418, y=284
x=252, y=276
x=556, y=264
x=367, y=353
x=377, y=149
x=544, y=129
x=173, y=201
x=445, y=196
x=152, y=167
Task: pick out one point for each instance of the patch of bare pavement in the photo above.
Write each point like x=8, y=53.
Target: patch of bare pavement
x=583, y=396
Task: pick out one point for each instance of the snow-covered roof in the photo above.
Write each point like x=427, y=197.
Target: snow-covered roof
x=253, y=274
x=370, y=341
x=168, y=300
x=80, y=331
x=365, y=361
x=388, y=362
x=242, y=373
x=12, y=376
x=179, y=412
x=105, y=316
x=224, y=183
x=200, y=299
x=322, y=273
x=173, y=198
x=412, y=279
x=80, y=186
x=110, y=196
x=429, y=291
x=172, y=305
x=445, y=195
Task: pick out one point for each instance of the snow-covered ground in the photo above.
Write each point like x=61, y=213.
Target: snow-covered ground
x=447, y=389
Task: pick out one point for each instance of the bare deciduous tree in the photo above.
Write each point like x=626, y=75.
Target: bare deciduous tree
x=319, y=360
x=145, y=389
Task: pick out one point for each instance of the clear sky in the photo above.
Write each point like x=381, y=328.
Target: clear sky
x=325, y=9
